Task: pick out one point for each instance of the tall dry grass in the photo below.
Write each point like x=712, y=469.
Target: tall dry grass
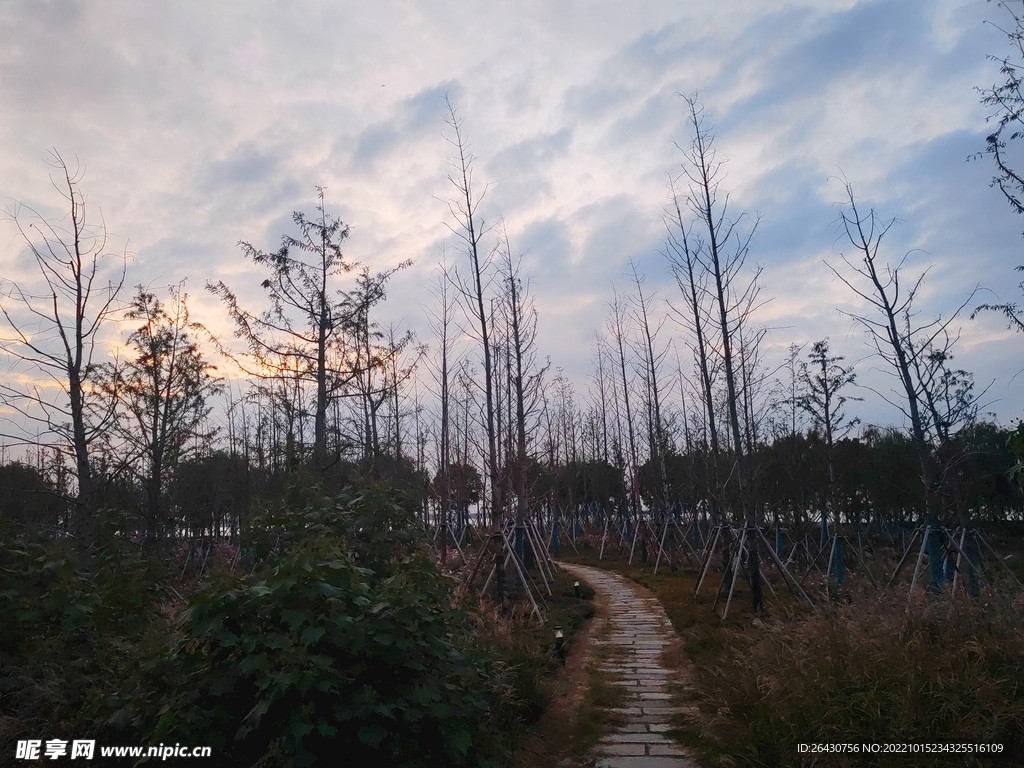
x=879, y=668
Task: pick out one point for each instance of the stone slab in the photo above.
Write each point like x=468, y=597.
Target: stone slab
x=623, y=749
x=632, y=738
x=644, y=762
x=639, y=635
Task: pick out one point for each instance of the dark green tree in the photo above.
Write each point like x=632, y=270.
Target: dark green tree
x=161, y=392
x=294, y=337
x=823, y=379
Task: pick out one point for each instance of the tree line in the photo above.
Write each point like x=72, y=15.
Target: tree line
x=682, y=412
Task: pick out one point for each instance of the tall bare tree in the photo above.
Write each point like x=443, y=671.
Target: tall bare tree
x=602, y=391
x=895, y=336
x=525, y=375
x=682, y=252
x=618, y=330
x=652, y=362
x=724, y=250
x=54, y=321
x=442, y=324
x=403, y=355
x=469, y=228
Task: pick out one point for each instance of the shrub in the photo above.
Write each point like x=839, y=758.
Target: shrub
x=67, y=636
x=337, y=643
x=345, y=650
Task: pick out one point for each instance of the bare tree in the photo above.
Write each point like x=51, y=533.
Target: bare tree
x=525, y=375
x=686, y=425
x=400, y=366
x=367, y=358
x=469, y=228
x=893, y=333
x=619, y=331
x=948, y=395
x=442, y=325
x=688, y=272
x=602, y=391
x=753, y=377
x=652, y=362
x=787, y=394
x=54, y=323
x=683, y=250
x=723, y=253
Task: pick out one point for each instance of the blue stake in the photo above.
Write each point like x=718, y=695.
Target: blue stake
x=838, y=566
x=935, y=556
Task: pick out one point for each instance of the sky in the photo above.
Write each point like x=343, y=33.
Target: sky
x=199, y=125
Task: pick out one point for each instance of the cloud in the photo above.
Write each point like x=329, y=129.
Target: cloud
x=415, y=115
x=201, y=126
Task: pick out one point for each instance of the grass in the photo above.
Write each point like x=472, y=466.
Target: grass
x=582, y=696
x=555, y=721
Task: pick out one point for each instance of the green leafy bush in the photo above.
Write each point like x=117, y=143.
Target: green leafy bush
x=336, y=642
x=68, y=637
x=344, y=650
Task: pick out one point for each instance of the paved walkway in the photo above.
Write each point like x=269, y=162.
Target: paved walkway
x=640, y=631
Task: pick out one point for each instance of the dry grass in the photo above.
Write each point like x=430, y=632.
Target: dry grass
x=548, y=694
x=875, y=669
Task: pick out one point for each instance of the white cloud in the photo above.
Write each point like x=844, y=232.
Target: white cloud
x=204, y=125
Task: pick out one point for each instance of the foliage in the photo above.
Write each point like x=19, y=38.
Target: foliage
x=587, y=483
x=338, y=642
x=461, y=485
x=345, y=647
x=1007, y=100
x=27, y=501
x=69, y=636
x=979, y=470
x=213, y=492
x=1015, y=442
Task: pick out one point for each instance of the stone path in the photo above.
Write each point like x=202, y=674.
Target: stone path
x=640, y=631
